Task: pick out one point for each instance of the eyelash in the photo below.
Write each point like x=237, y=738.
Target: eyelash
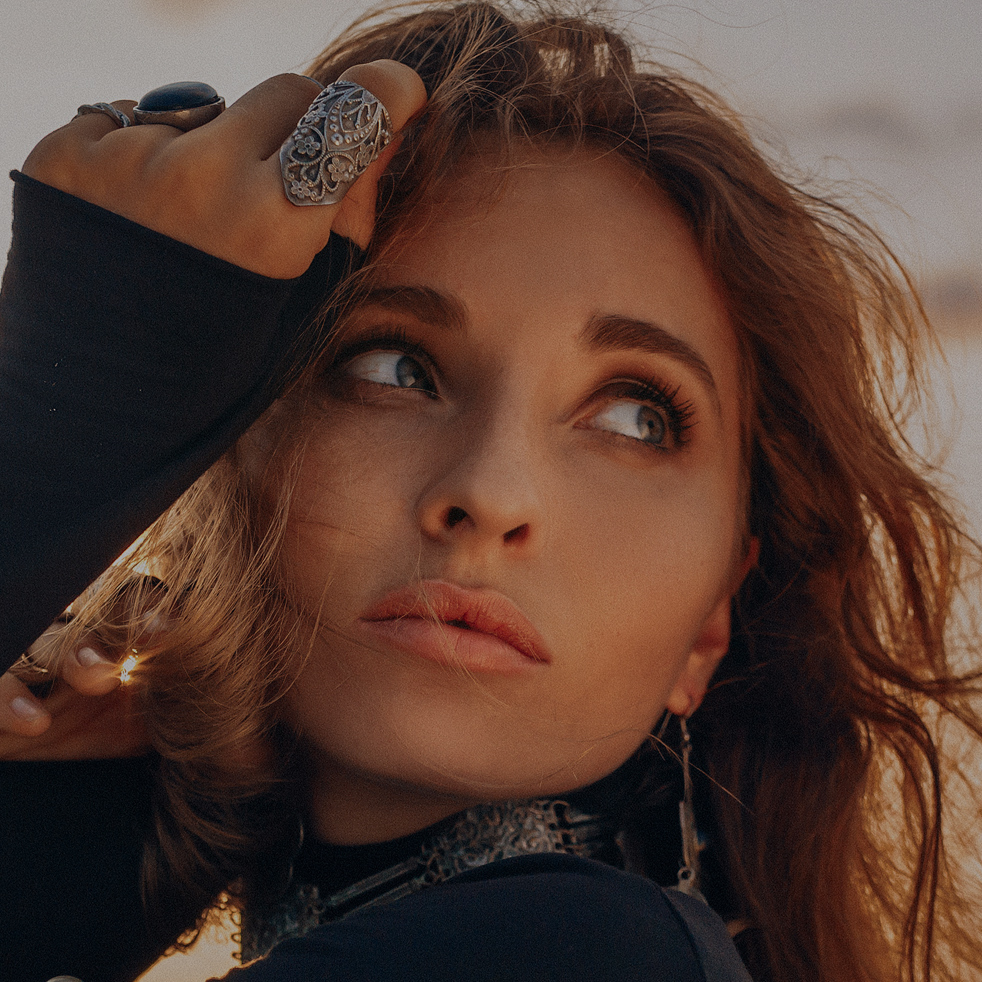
x=678, y=412
x=393, y=338
x=650, y=391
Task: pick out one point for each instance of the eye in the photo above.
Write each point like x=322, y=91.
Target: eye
x=635, y=420
x=392, y=368
x=643, y=411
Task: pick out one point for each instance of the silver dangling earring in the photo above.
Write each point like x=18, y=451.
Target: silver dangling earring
x=689, y=870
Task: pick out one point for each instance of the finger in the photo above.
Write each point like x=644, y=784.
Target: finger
x=83, y=130
x=355, y=219
x=100, y=727
x=260, y=121
x=20, y=712
x=403, y=94
x=395, y=85
x=94, y=125
x=89, y=670
x=74, y=157
x=266, y=115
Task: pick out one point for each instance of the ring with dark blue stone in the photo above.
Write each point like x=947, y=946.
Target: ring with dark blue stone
x=185, y=105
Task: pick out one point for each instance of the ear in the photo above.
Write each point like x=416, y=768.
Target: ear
x=713, y=642
x=711, y=645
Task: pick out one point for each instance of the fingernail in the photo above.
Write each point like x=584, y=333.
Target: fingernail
x=25, y=708
x=87, y=657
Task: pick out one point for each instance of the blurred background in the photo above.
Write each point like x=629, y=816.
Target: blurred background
x=884, y=95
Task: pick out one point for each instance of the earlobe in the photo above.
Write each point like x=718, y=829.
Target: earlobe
x=711, y=645
x=706, y=654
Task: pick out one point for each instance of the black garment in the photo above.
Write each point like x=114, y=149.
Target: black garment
x=71, y=841
x=128, y=364
x=551, y=917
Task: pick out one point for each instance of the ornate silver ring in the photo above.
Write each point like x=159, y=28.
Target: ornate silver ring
x=344, y=130
x=185, y=105
x=106, y=109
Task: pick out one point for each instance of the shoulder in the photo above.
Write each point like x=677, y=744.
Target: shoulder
x=538, y=917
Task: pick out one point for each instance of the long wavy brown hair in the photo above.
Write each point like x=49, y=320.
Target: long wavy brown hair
x=824, y=789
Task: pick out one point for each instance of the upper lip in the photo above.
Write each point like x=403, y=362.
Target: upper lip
x=478, y=609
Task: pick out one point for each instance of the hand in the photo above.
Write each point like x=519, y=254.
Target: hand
x=219, y=187
x=86, y=714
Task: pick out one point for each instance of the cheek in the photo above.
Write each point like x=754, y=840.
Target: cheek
x=640, y=582
x=343, y=513
x=655, y=561
x=356, y=461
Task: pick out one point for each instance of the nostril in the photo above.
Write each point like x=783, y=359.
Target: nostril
x=455, y=516
x=518, y=534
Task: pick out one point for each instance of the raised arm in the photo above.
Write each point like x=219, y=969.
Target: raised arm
x=156, y=285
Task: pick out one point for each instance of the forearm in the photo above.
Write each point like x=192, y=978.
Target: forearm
x=128, y=364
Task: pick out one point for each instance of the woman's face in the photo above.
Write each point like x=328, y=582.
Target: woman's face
x=518, y=513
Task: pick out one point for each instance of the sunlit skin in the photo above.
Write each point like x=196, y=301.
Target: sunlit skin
x=550, y=415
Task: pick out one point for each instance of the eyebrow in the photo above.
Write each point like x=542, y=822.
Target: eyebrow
x=616, y=333
x=609, y=332
x=429, y=306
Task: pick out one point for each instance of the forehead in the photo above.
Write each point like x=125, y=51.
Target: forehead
x=551, y=210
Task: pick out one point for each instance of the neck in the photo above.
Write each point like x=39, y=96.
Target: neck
x=348, y=808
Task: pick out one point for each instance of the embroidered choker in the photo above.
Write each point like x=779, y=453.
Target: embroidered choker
x=483, y=834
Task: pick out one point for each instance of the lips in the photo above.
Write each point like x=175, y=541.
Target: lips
x=480, y=630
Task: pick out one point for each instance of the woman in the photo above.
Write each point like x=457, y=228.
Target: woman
x=604, y=427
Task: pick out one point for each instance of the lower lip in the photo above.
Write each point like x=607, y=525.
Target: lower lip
x=457, y=647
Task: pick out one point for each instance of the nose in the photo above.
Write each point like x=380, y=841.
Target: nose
x=487, y=488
